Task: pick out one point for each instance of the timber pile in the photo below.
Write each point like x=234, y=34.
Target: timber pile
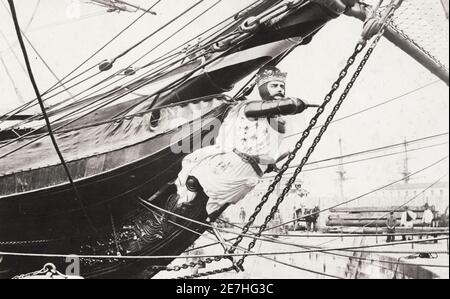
x=383, y=230
x=369, y=217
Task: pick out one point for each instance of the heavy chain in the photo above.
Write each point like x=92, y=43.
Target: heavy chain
x=286, y=165
x=200, y=263
x=247, y=28
x=48, y=272
x=336, y=85
x=19, y=243
x=299, y=144
x=359, y=47
x=206, y=274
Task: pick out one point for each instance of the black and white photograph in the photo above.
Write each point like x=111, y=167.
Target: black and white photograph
x=231, y=142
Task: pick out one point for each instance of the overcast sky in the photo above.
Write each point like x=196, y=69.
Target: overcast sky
x=67, y=32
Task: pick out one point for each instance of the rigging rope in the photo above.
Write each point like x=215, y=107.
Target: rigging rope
x=237, y=37
x=179, y=81
x=52, y=137
x=175, y=33
x=366, y=159
x=155, y=32
x=216, y=258
x=287, y=7
x=219, y=23
x=382, y=148
x=21, y=108
x=153, y=62
x=376, y=157
x=164, y=89
x=154, y=257
x=332, y=236
x=186, y=266
x=130, y=82
x=375, y=106
x=251, y=236
x=47, y=65
x=311, y=163
x=210, y=260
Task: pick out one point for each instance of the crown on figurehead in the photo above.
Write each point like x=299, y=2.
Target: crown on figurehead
x=269, y=74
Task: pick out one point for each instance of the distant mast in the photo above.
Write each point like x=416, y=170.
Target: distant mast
x=341, y=171
x=406, y=173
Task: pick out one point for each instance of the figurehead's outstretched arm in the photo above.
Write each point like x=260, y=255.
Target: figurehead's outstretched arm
x=264, y=109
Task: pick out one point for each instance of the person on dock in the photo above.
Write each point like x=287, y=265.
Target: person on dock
x=391, y=224
x=427, y=219
x=436, y=221
x=312, y=219
x=294, y=218
x=407, y=221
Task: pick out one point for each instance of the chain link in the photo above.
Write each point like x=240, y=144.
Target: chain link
x=210, y=273
x=200, y=263
x=15, y=243
x=48, y=272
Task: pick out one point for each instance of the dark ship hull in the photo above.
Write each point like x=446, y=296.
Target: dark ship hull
x=112, y=204
x=115, y=165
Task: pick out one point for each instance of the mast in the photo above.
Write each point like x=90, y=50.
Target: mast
x=341, y=171
x=406, y=173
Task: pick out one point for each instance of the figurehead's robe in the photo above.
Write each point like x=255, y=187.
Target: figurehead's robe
x=224, y=176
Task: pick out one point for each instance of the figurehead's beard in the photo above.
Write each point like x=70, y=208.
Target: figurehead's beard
x=266, y=96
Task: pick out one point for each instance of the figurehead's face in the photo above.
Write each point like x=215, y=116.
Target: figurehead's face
x=273, y=90
x=277, y=90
